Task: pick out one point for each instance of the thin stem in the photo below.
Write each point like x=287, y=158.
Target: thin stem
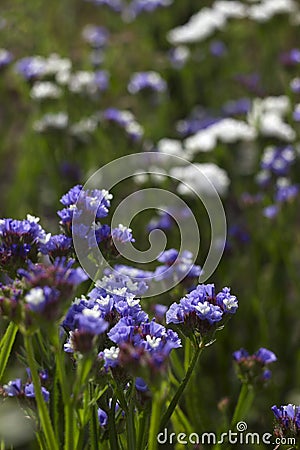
x=142, y=432
x=41, y=405
x=6, y=345
x=130, y=428
x=157, y=400
x=67, y=398
x=113, y=437
x=243, y=405
x=181, y=388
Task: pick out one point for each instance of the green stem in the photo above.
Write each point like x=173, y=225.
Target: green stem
x=142, y=432
x=181, y=387
x=244, y=403
x=94, y=426
x=113, y=437
x=6, y=344
x=67, y=398
x=131, y=435
x=41, y=405
x=155, y=419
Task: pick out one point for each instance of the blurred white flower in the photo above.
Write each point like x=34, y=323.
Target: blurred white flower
x=226, y=130
x=171, y=147
x=51, y=121
x=45, y=89
x=201, y=178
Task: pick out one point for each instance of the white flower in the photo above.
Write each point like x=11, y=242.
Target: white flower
x=91, y=313
x=45, y=89
x=103, y=301
x=170, y=146
x=201, y=179
x=153, y=341
x=35, y=296
x=131, y=300
x=230, y=303
x=203, y=308
x=111, y=353
x=57, y=121
x=272, y=125
x=54, y=64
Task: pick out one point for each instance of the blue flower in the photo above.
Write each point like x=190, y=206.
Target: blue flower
x=13, y=388
x=252, y=369
x=29, y=392
x=122, y=234
x=19, y=242
x=96, y=36
x=90, y=321
x=265, y=356
x=145, y=345
x=287, y=420
x=102, y=417
x=201, y=310
x=176, y=265
x=141, y=385
x=146, y=81
x=57, y=246
x=240, y=354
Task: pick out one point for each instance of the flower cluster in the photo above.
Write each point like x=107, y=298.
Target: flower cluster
x=141, y=346
x=20, y=242
x=42, y=293
x=177, y=266
x=202, y=311
x=253, y=369
x=16, y=388
x=287, y=421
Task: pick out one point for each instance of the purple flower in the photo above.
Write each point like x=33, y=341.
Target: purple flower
x=13, y=388
x=51, y=286
x=136, y=7
x=102, y=417
x=38, y=298
x=101, y=80
x=148, y=344
x=290, y=58
x=295, y=85
x=240, y=354
x=5, y=57
x=126, y=120
x=29, y=392
x=89, y=205
x=237, y=107
x=177, y=266
x=96, y=36
x=31, y=67
x=278, y=160
x=146, y=80
x=57, y=246
x=286, y=192
x=201, y=310
x=141, y=385
x=19, y=242
x=287, y=420
x=218, y=49
x=265, y=356
x=271, y=211
x=122, y=234
x=252, y=369
x=178, y=56
x=115, y=5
